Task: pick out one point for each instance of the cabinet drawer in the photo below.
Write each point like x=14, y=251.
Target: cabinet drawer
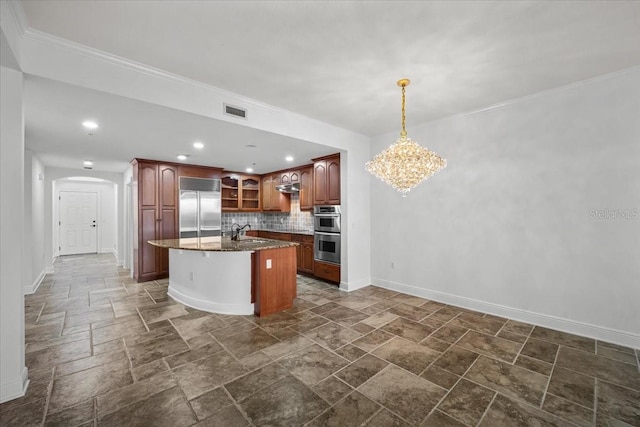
x=326, y=271
x=302, y=238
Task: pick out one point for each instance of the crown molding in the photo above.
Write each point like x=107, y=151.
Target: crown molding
x=18, y=16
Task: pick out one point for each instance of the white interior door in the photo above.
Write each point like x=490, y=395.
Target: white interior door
x=78, y=222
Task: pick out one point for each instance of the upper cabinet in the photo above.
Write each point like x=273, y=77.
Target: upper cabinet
x=306, y=188
x=326, y=180
x=240, y=192
x=272, y=199
x=290, y=177
x=250, y=193
x=193, y=171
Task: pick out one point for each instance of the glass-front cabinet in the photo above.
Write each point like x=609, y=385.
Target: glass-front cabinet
x=240, y=192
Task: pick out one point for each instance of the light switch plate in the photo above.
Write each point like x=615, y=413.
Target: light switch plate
x=268, y=263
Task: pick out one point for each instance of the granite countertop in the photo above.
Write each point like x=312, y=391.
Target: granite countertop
x=222, y=244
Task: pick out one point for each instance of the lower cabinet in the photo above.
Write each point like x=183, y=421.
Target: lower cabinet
x=304, y=253
x=327, y=271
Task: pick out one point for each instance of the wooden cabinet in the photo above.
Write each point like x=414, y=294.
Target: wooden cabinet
x=290, y=177
x=304, y=253
x=240, y=192
x=156, y=217
x=326, y=180
x=250, y=193
x=193, y=171
x=327, y=271
x=306, y=188
x=272, y=199
x=273, y=280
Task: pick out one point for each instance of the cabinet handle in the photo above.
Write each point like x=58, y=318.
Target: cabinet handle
x=159, y=219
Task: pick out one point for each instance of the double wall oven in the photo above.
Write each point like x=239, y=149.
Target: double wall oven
x=326, y=220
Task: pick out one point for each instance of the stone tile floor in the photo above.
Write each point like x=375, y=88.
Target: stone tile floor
x=104, y=350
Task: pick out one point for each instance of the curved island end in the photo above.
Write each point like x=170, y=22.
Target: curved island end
x=220, y=275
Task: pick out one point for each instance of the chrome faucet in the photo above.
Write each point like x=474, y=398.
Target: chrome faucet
x=235, y=233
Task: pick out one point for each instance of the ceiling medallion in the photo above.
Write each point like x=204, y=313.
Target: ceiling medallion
x=405, y=163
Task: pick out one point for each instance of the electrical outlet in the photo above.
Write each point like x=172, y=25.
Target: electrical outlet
x=268, y=264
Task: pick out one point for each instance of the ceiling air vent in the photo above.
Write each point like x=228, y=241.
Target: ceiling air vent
x=235, y=111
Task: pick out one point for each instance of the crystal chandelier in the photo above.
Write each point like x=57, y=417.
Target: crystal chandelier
x=405, y=163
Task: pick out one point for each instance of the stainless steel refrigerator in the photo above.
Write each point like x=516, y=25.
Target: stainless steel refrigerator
x=200, y=207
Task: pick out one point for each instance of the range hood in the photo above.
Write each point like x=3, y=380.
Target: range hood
x=288, y=188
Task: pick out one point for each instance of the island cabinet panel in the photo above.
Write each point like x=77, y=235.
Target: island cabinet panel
x=156, y=197
x=306, y=188
x=326, y=180
x=273, y=280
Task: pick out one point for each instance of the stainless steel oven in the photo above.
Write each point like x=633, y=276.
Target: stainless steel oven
x=326, y=221
x=327, y=247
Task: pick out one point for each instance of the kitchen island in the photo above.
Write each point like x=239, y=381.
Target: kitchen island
x=220, y=275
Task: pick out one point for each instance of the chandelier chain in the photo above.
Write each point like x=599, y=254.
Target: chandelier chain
x=404, y=132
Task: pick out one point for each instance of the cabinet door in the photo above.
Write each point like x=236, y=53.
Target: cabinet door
x=148, y=185
x=147, y=260
x=266, y=193
x=167, y=229
x=285, y=178
x=333, y=181
x=275, y=194
x=299, y=257
x=320, y=183
x=294, y=176
x=306, y=189
x=307, y=257
x=168, y=179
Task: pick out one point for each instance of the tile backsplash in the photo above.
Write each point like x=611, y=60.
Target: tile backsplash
x=294, y=220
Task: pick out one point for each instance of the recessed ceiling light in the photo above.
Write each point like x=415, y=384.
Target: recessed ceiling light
x=182, y=157
x=90, y=125
x=199, y=145
x=289, y=158
x=87, y=163
x=249, y=170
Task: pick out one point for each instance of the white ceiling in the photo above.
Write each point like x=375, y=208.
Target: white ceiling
x=54, y=112
x=333, y=61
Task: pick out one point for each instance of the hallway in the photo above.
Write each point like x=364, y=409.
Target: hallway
x=104, y=350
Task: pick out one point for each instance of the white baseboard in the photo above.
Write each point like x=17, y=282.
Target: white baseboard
x=49, y=268
x=627, y=339
x=119, y=261
x=14, y=388
x=31, y=289
x=355, y=285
